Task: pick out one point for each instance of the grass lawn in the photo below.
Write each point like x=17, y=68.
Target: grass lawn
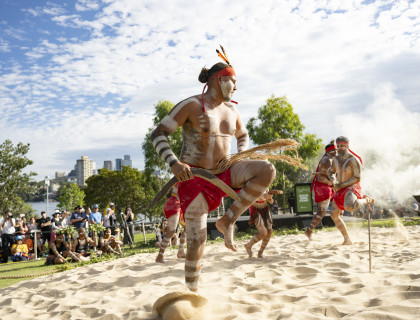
x=36, y=267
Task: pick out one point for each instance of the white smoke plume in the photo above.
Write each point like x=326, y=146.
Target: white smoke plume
x=387, y=137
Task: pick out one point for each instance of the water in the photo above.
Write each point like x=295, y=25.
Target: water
x=42, y=206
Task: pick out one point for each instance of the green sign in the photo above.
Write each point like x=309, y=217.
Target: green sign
x=303, y=198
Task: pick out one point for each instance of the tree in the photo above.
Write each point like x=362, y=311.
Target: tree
x=128, y=187
x=276, y=120
x=70, y=195
x=152, y=160
x=13, y=181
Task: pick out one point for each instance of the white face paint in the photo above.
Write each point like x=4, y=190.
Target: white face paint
x=228, y=88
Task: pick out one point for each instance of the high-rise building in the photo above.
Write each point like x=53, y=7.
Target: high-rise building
x=123, y=162
x=127, y=161
x=84, y=169
x=108, y=164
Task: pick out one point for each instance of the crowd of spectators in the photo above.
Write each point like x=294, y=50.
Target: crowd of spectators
x=19, y=236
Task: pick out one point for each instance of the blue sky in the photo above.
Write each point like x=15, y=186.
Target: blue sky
x=81, y=77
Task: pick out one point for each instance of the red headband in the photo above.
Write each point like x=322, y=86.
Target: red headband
x=224, y=72
x=330, y=148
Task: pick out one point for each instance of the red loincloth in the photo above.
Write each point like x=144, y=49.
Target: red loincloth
x=189, y=190
x=256, y=213
x=172, y=206
x=322, y=191
x=340, y=194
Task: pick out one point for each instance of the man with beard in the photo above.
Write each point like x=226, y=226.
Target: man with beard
x=347, y=167
x=322, y=186
x=209, y=121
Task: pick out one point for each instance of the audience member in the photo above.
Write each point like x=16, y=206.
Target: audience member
x=45, y=224
x=65, y=218
x=40, y=245
x=59, y=250
x=20, y=250
x=81, y=244
x=129, y=232
x=78, y=218
x=32, y=225
x=110, y=244
x=29, y=243
x=8, y=234
x=96, y=218
x=110, y=220
x=56, y=224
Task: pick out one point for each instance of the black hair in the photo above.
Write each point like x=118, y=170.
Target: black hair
x=330, y=144
x=206, y=74
x=342, y=139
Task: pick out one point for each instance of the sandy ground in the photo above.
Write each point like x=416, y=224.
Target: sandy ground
x=298, y=279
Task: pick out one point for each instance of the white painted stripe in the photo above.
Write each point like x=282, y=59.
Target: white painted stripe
x=180, y=105
x=158, y=139
x=192, y=274
x=245, y=195
x=192, y=285
x=255, y=186
x=162, y=145
x=193, y=263
x=170, y=123
x=171, y=158
x=166, y=152
x=230, y=214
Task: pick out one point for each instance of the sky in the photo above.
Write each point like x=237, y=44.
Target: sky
x=82, y=77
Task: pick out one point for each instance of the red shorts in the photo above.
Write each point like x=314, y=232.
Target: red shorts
x=322, y=191
x=172, y=207
x=340, y=194
x=189, y=190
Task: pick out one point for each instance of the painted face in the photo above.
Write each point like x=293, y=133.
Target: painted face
x=332, y=153
x=342, y=149
x=228, y=87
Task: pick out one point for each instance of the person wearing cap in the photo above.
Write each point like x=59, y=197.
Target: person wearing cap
x=110, y=220
x=321, y=187
x=20, y=251
x=78, y=218
x=347, y=166
x=96, y=217
x=209, y=122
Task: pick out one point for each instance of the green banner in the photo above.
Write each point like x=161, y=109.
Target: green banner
x=303, y=198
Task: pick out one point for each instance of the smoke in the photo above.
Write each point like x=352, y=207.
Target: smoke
x=387, y=137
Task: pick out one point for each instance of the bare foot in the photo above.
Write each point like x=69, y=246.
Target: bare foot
x=181, y=254
x=226, y=228
x=160, y=259
x=347, y=242
x=260, y=255
x=308, y=233
x=248, y=250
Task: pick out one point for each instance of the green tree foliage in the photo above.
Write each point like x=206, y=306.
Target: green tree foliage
x=276, y=120
x=128, y=187
x=13, y=180
x=70, y=195
x=152, y=160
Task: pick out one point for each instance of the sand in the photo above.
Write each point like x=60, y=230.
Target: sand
x=298, y=279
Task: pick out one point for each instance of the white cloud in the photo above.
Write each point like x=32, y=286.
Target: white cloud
x=113, y=65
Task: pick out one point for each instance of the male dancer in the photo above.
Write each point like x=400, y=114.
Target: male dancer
x=322, y=186
x=260, y=216
x=348, y=193
x=209, y=121
x=172, y=212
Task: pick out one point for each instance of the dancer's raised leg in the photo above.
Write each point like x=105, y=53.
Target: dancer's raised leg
x=254, y=177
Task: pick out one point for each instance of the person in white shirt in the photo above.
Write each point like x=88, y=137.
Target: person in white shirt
x=8, y=234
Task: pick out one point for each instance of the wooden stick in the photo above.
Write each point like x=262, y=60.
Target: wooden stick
x=370, y=249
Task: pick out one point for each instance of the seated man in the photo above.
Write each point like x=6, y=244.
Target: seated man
x=81, y=244
x=59, y=250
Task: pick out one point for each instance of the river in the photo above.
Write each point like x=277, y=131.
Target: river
x=42, y=206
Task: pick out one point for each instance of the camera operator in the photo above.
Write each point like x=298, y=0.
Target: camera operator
x=8, y=237
x=78, y=218
x=110, y=220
